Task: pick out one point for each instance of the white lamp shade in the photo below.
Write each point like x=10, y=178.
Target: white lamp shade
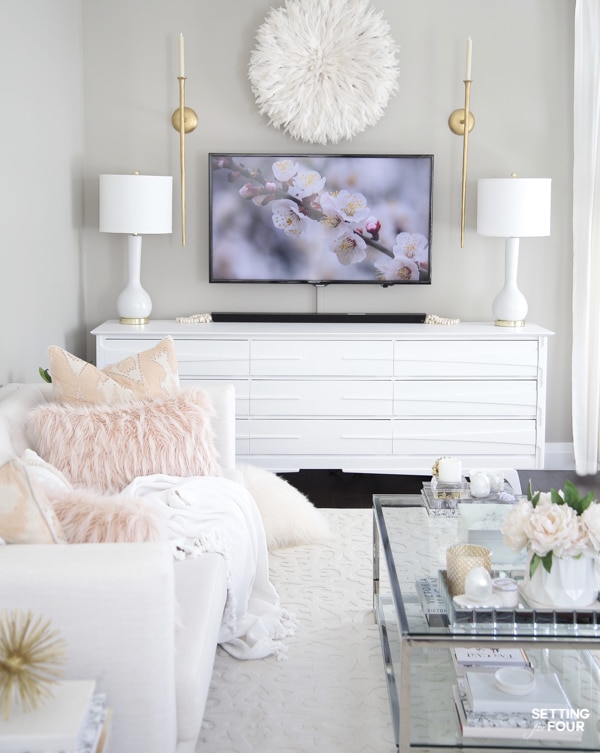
x=514, y=207
x=136, y=204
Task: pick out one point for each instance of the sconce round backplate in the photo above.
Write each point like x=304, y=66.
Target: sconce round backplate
x=456, y=121
x=190, y=120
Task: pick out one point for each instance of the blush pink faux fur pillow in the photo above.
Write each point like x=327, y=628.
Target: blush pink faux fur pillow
x=88, y=518
x=104, y=447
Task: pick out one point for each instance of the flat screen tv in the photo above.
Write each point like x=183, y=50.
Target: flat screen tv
x=320, y=219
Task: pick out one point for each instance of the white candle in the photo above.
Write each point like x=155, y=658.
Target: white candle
x=181, y=65
x=449, y=471
x=469, y=49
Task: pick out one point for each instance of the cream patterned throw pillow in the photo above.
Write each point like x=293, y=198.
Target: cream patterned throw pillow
x=152, y=373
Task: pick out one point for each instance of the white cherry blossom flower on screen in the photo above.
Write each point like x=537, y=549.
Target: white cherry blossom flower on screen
x=412, y=245
x=287, y=217
x=348, y=247
x=285, y=169
x=398, y=268
x=345, y=206
x=306, y=183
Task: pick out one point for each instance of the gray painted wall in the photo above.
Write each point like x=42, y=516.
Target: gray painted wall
x=521, y=97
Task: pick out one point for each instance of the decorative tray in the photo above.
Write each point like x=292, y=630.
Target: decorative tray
x=444, y=499
x=524, y=614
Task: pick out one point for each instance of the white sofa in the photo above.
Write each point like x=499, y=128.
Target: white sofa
x=143, y=626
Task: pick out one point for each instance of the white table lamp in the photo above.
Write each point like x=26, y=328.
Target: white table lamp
x=136, y=205
x=513, y=208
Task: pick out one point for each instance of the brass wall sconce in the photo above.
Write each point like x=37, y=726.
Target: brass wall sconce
x=184, y=120
x=461, y=123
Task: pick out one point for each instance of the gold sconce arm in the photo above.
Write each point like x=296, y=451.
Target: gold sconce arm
x=461, y=123
x=457, y=121
x=184, y=120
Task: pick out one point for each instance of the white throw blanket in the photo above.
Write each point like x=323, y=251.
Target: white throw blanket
x=210, y=514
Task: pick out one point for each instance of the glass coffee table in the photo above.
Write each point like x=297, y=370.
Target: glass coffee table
x=409, y=547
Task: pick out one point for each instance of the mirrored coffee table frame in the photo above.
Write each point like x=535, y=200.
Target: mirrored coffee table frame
x=408, y=543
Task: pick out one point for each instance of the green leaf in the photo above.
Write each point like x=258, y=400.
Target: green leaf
x=547, y=562
x=534, y=564
x=573, y=500
x=556, y=498
x=587, y=501
x=571, y=495
x=529, y=491
x=45, y=374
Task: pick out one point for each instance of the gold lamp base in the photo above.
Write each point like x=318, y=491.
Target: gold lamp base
x=190, y=119
x=130, y=320
x=509, y=323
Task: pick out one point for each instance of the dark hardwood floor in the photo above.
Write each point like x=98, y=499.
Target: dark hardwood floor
x=333, y=488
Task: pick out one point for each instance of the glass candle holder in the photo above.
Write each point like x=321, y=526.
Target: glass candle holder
x=460, y=559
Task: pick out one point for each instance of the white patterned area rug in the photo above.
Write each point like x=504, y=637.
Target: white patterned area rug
x=329, y=694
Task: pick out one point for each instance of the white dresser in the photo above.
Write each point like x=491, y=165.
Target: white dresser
x=387, y=398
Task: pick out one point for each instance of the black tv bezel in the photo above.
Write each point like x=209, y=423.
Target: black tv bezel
x=316, y=282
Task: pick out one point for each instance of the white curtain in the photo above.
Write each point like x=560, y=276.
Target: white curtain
x=586, y=238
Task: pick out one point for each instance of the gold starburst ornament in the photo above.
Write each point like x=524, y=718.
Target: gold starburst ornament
x=32, y=656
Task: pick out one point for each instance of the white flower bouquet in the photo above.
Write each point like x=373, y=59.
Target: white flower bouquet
x=554, y=524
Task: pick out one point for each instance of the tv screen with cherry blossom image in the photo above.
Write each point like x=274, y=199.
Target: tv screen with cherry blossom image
x=320, y=219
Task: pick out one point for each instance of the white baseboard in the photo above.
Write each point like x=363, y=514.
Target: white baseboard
x=559, y=456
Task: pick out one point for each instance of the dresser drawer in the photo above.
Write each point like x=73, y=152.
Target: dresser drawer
x=504, y=399
x=291, y=397
x=466, y=358
x=227, y=358
x=464, y=437
x=321, y=358
x=195, y=358
x=325, y=436
x=242, y=401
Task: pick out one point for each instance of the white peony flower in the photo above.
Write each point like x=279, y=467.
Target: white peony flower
x=513, y=527
x=553, y=528
x=591, y=521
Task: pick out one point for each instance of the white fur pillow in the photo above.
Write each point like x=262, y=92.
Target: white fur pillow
x=104, y=447
x=289, y=517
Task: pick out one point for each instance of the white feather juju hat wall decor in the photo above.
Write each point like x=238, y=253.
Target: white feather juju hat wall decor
x=323, y=70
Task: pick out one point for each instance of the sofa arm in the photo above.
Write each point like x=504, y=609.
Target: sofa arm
x=114, y=605
x=222, y=395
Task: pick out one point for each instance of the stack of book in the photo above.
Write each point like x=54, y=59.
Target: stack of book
x=74, y=720
x=484, y=659
x=432, y=602
x=484, y=710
